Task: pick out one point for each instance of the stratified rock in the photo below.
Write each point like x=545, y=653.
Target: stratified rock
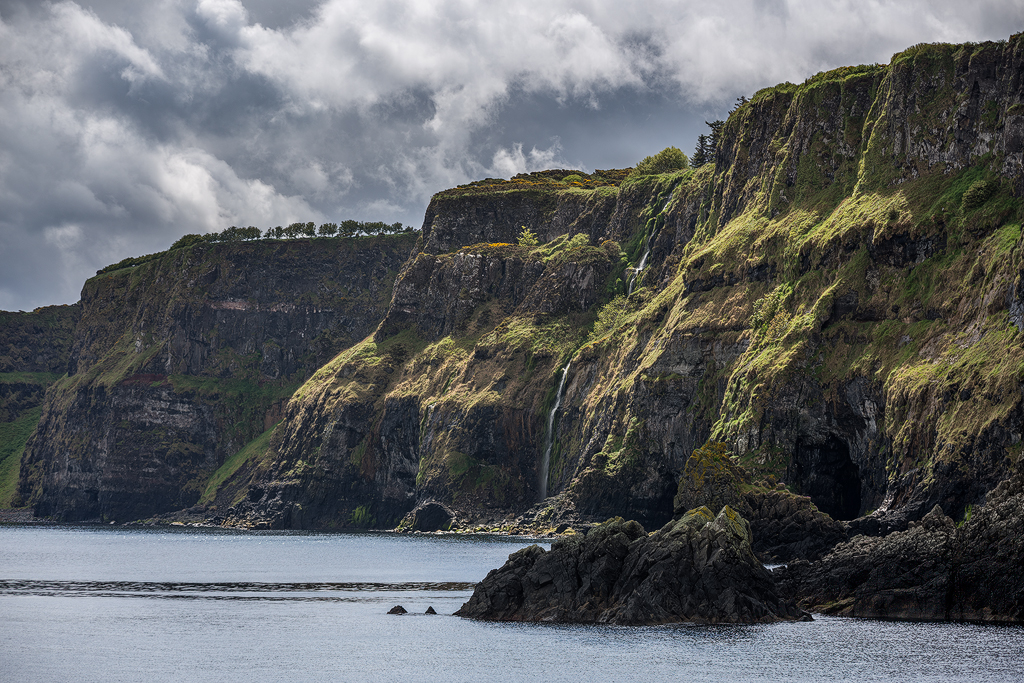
x=933, y=570
x=697, y=569
x=398, y=609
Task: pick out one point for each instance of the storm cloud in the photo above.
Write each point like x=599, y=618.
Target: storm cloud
x=124, y=125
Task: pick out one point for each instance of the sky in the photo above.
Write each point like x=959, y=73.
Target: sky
x=125, y=124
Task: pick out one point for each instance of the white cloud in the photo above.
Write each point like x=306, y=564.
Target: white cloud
x=507, y=162
x=124, y=127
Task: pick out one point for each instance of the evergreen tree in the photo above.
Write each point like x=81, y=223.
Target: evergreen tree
x=716, y=137
x=700, y=154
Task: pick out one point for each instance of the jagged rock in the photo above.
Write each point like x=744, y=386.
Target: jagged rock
x=933, y=570
x=785, y=526
x=398, y=609
x=697, y=569
x=430, y=610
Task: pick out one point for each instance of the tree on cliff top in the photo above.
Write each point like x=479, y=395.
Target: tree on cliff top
x=667, y=160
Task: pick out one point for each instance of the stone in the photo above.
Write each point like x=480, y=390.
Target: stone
x=699, y=568
x=934, y=570
x=430, y=516
x=430, y=610
x=398, y=609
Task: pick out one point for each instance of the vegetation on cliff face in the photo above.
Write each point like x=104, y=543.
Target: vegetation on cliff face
x=182, y=360
x=34, y=349
x=835, y=295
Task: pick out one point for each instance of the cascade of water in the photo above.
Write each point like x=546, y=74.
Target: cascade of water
x=640, y=267
x=549, y=442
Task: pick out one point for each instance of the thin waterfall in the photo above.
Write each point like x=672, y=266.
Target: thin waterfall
x=647, y=249
x=640, y=266
x=549, y=441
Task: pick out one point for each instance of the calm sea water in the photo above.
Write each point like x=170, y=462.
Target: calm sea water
x=94, y=604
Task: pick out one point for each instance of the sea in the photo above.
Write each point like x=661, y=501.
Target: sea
x=91, y=603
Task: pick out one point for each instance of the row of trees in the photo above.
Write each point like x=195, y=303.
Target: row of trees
x=707, y=144
x=347, y=228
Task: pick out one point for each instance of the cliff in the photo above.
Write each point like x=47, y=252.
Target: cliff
x=34, y=351
x=837, y=298
x=179, y=362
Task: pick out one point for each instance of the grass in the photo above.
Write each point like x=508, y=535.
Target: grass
x=13, y=437
x=253, y=450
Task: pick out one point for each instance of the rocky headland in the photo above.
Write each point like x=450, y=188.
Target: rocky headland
x=699, y=568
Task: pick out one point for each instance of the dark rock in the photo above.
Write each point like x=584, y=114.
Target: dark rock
x=697, y=569
x=398, y=609
x=430, y=610
x=429, y=516
x=785, y=526
x=933, y=570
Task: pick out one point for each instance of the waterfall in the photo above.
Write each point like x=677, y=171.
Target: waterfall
x=549, y=442
x=640, y=266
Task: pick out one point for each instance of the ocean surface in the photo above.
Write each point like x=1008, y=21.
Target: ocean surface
x=122, y=604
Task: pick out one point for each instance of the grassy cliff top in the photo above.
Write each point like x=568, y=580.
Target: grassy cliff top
x=550, y=180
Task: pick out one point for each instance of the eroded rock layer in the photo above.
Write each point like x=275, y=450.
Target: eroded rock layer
x=179, y=362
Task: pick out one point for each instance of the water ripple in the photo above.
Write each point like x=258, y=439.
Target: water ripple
x=248, y=590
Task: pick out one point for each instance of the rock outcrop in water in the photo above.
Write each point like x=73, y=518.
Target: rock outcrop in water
x=699, y=568
x=785, y=526
x=935, y=570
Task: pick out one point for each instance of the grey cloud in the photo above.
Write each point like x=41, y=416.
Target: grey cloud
x=124, y=125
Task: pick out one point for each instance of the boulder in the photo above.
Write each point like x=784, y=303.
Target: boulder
x=429, y=516
x=699, y=568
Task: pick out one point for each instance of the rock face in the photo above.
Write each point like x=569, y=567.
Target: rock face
x=699, y=568
x=935, y=570
x=837, y=297
x=34, y=351
x=177, y=363
x=824, y=298
x=784, y=526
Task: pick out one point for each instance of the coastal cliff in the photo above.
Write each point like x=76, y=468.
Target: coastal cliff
x=836, y=298
x=34, y=351
x=178, y=362
x=828, y=317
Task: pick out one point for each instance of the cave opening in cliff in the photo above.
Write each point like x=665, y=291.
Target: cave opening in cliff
x=826, y=474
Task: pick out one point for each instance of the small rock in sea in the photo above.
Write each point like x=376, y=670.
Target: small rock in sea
x=430, y=610
x=397, y=609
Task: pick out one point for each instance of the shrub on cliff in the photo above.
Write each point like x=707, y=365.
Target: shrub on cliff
x=667, y=160
x=528, y=238
x=978, y=193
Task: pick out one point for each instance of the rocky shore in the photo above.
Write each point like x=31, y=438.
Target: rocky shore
x=935, y=570
x=699, y=568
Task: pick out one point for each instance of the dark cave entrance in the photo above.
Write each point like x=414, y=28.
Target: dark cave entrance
x=826, y=474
